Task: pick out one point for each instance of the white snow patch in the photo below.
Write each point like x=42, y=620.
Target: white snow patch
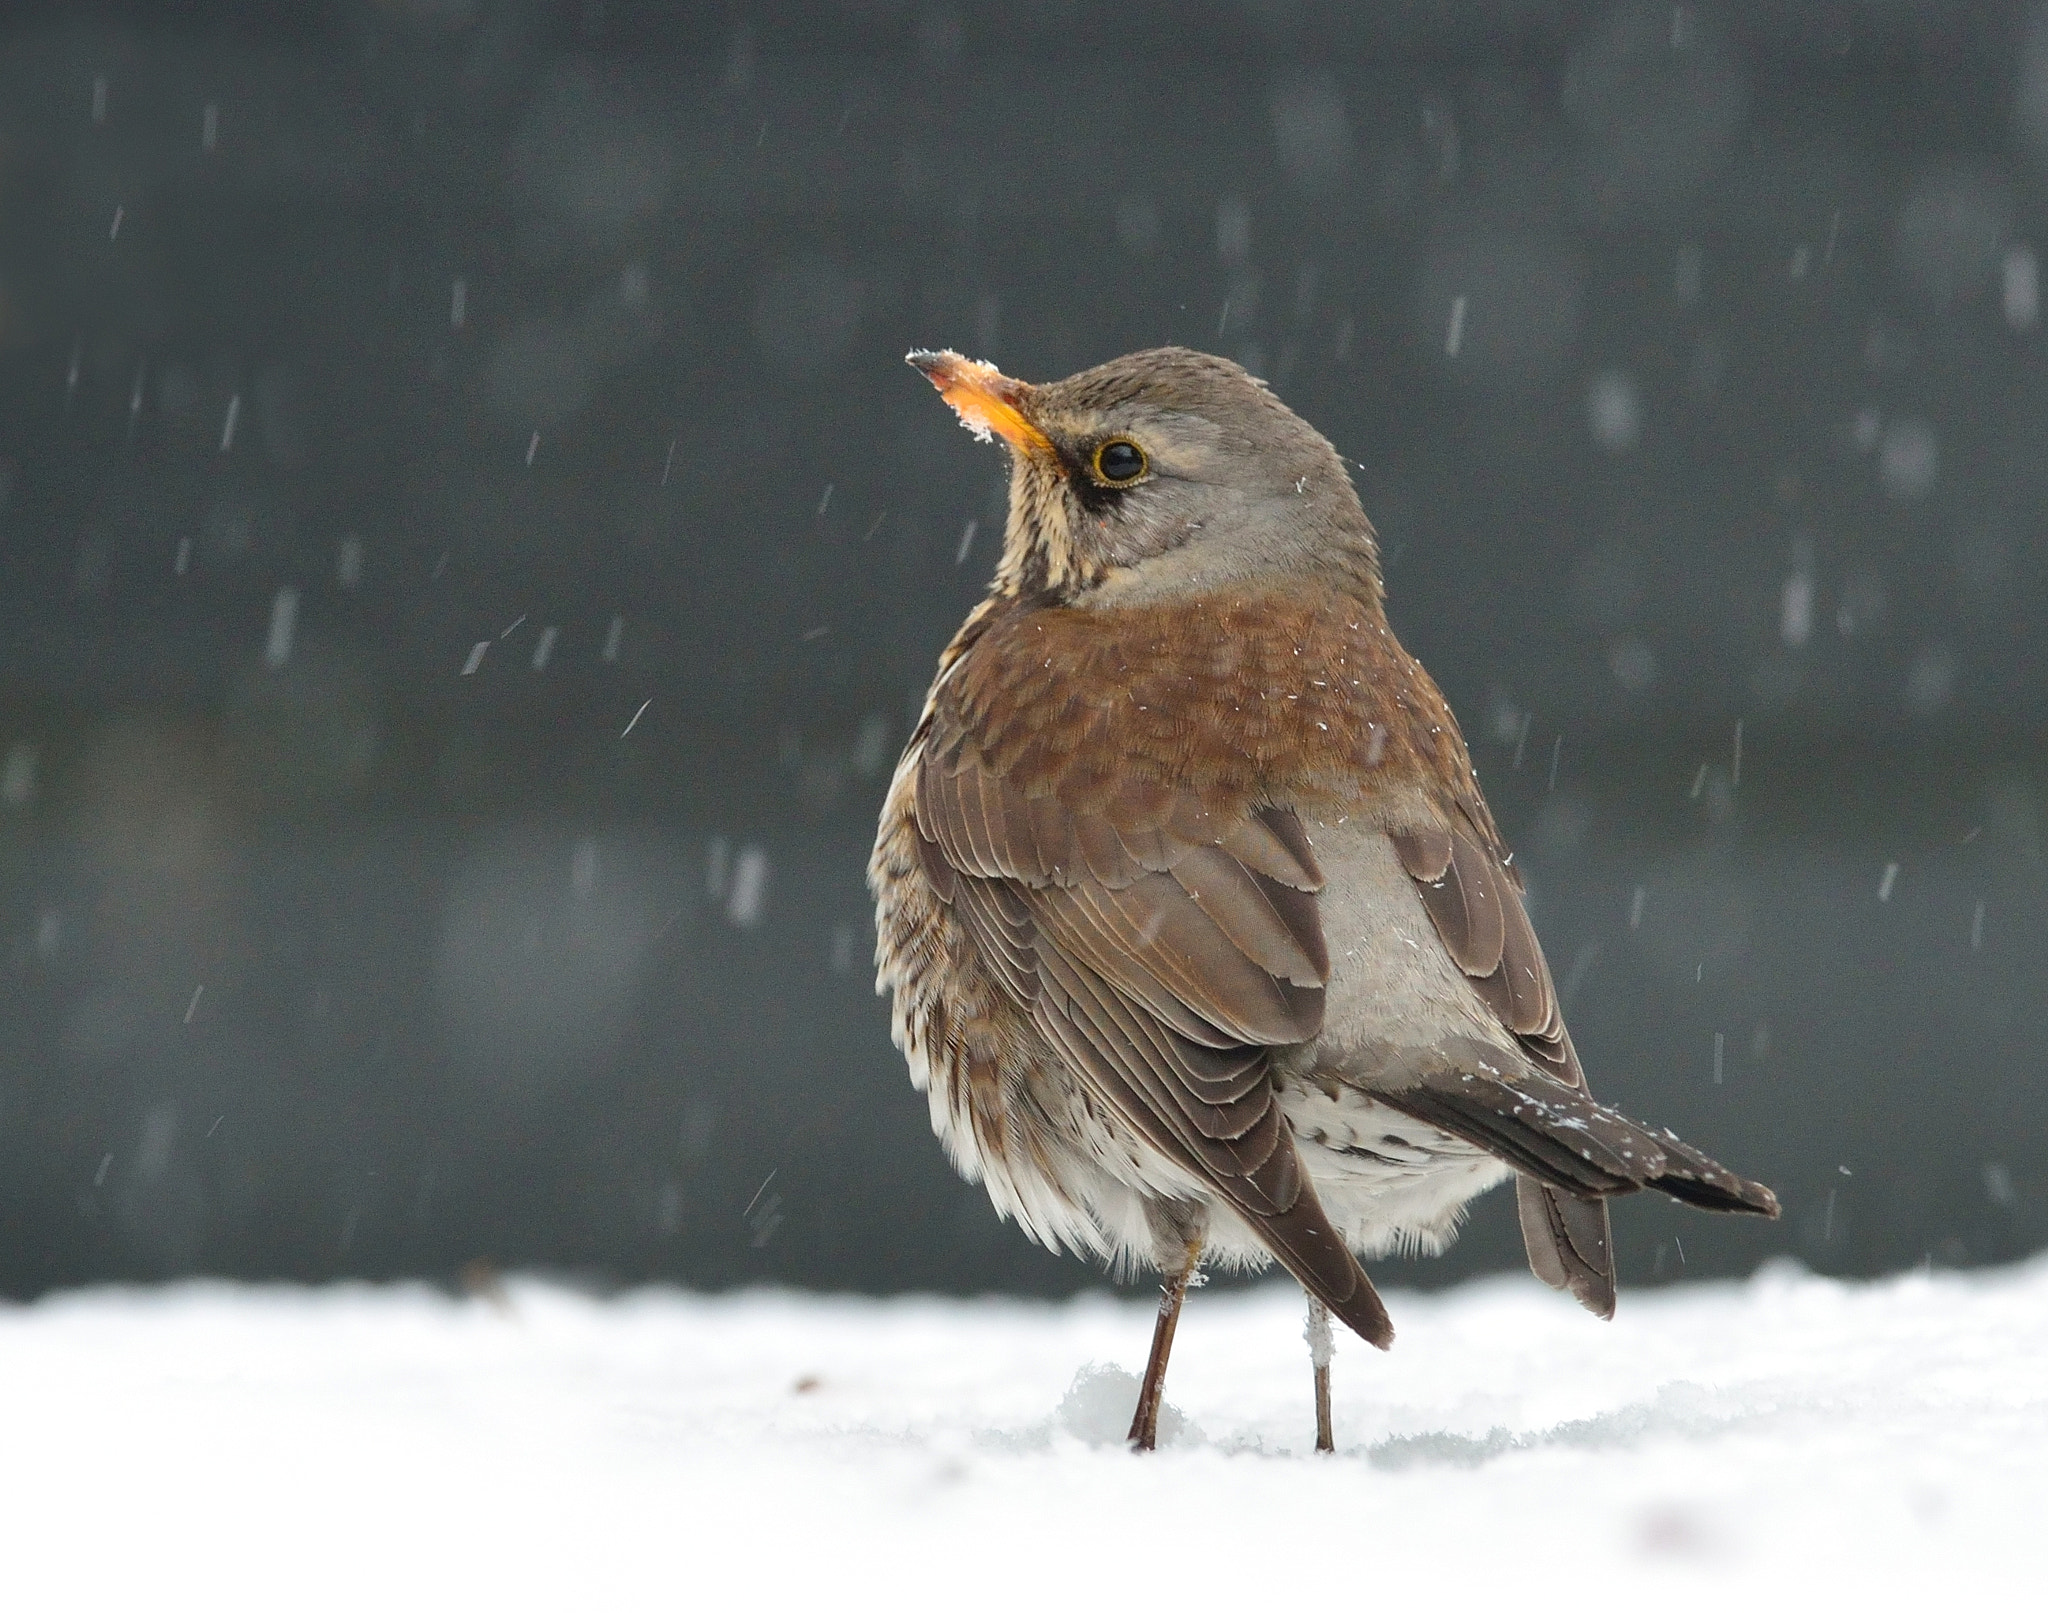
x=1790, y=1437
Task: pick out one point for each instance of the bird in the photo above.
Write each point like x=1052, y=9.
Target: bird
x=1199, y=935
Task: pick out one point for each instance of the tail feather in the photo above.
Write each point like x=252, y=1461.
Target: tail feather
x=1569, y=1241
x=1560, y=1136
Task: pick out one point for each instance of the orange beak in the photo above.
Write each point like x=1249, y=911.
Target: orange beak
x=985, y=399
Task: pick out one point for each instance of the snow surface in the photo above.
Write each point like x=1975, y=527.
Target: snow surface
x=1791, y=1439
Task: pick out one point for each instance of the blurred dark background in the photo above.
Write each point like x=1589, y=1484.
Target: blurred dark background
x=470, y=552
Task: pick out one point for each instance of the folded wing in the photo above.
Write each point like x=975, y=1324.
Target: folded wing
x=1163, y=950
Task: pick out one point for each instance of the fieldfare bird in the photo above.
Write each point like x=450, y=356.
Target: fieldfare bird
x=1201, y=938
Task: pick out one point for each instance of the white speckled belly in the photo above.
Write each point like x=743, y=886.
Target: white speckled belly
x=1388, y=1180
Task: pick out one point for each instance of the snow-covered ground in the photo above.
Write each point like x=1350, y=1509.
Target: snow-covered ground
x=1797, y=1440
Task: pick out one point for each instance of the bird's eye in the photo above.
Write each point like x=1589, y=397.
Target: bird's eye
x=1120, y=462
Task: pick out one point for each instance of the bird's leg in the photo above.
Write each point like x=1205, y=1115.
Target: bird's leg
x=1173, y=1288
x=1320, y=1348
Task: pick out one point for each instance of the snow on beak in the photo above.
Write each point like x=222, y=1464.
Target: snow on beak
x=986, y=400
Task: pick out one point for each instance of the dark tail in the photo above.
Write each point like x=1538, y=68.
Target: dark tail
x=1568, y=1142
x=1570, y=1242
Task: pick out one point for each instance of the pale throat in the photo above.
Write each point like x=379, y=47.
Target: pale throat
x=1039, y=551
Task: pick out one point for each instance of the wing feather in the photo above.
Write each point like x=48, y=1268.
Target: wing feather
x=1285, y=942
x=1163, y=951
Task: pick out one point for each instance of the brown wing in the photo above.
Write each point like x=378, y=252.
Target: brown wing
x=1572, y=1152
x=1163, y=951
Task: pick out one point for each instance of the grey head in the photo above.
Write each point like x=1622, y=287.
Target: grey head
x=1162, y=473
